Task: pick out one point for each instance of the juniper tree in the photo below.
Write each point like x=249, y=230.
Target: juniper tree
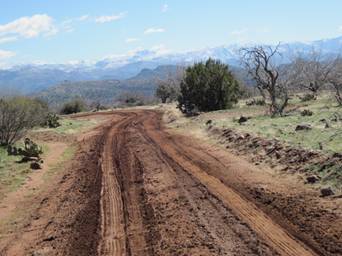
x=208, y=86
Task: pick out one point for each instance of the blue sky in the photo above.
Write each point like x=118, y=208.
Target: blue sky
x=59, y=31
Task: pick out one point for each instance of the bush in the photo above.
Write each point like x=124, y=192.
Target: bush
x=306, y=112
x=131, y=99
x=51, y=121
x=256, y=102
x=208, y=86
x=73, y=107
x=307, y=97
x=97, y=106
x=167, y=91
x=30, y=150
x=17, y=115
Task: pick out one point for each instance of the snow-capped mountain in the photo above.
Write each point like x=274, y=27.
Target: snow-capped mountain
x=33, y=77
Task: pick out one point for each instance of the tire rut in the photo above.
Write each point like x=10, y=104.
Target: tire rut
x=157, y=199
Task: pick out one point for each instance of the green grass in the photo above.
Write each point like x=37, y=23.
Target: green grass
x=71, y=126
x=67, y=155
x=12, y=174
x=283, y=128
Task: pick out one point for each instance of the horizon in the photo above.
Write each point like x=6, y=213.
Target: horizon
x=36, y=32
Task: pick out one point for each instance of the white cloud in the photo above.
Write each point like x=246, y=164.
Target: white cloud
x=165, y=8
x=104, y=19
x=160, y=50
x=132, y=40
x=8, y=39
x=6, y=54
x=83, y=18
x=154, y=30
x=29, y=27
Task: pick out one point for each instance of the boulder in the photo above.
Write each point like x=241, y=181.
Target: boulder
x=209, y=122
x=306, y=112
x=326, y=191
x=35, y=166
x=337, y=155
x=312, y=179
x=242, y=119
x=303, y=127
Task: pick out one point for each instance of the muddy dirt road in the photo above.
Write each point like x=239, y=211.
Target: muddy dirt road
x=158, y=199
x=161, y=194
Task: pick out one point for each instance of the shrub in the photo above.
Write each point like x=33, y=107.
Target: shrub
x=131, y=99
x=167, y=90
x=51, y=121
x=163, y=92
x=17, y=115
x=256, y=102
x=31, y=149
x=207, y=86
x=72, y=107
x=307, y=97
x=306, y=112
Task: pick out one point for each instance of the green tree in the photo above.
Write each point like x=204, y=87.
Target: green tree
x=162, y=92
x=208, y=86
x=167, y=91
x=73, y=107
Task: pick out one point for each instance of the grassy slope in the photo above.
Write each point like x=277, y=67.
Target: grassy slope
x=71, y=126
x=14, y=174
x=281, y=128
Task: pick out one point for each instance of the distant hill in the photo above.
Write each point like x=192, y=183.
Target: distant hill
x=28, y=79
x=106, y=91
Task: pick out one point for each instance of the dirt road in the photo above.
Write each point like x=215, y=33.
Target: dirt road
x=158, y=199
x=160, y=194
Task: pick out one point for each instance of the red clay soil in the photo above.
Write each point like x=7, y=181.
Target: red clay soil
x=135, y=189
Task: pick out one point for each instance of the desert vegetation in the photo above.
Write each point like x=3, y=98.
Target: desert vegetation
x=73, y=107
x=294, y=115
x=17, y=115
x=207, y=86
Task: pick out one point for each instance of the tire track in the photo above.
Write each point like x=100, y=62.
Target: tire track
x=113, y=235
x=271, y=232
x=126, y=229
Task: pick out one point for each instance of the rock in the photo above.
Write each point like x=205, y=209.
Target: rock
x=209, y=122
x=306, y=112
x=320, y=145
x=312, y=179
x=303, y=127
x=49, y=238
x=327, y=191
x=35, y=166
x=337, y=155
x=242, y=119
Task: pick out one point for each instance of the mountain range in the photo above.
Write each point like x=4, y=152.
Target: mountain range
x=34, y=78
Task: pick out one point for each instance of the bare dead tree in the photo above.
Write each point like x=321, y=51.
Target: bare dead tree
x=272, y=82
x=335, y=79
x=16, y=116
x=314, y=71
